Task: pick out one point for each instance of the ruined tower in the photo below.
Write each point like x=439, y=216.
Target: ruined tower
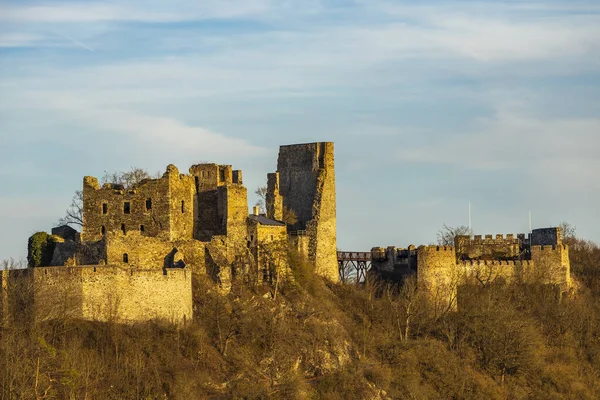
x=304, y=186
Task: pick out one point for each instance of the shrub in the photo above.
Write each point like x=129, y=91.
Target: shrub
x=40, y=249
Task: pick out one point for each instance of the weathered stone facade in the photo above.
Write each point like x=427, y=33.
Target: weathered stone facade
x=140, y=245
x=305, y=184
x=440, y=270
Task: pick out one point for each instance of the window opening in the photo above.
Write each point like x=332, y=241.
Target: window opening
x=142, y=228
x=103, y=230
x=126, y=207
x=148, y=204
x=104, y=208
x=125, y=258
x=182, y=206
x=123, y=228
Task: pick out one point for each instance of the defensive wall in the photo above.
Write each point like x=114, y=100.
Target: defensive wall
x=305, y=184
x=140, y=244
x=112, y=293
x=439, y=270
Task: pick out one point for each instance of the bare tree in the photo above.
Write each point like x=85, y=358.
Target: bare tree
x=568, y=232
x=74, y=214
x=127, y=179
x=446, y=235
x=261, y=192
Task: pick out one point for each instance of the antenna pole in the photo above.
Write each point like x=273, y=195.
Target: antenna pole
x=530, y=221
x=469, y=216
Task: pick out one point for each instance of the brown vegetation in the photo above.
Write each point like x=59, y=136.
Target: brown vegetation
x=325, y=341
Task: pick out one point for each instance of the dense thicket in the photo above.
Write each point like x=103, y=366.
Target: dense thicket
x=326, y=342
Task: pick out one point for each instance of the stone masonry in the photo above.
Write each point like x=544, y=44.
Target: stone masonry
x=305, y=184
x=440, y=270
x=141, y=245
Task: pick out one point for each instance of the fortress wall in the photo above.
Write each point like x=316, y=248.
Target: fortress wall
x=322, y=228
x=112, y=199
x=438, y=275
x=393, y=263
x=182, y=201
x=552, y=263
x=142, y=251
x=274, y=200
x=271, y=250
x=298, y=170
x=110, y=293
x=486, y=272
x=546, y=237
x=211, y=198
x=57, y=292
x=489, y=246
x=121, y=295
x=307, y=186
x=435, y=264
x=235, y=213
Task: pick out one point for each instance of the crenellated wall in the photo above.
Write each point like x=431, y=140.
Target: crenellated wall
x=480, y=260
x=553, y=264
x=488, y=246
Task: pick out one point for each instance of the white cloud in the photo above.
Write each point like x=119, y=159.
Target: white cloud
x=17, y=39
x=548, y=149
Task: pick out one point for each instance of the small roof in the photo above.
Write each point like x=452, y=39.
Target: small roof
x=261, y=219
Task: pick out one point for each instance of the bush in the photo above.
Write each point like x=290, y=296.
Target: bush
x=40, y=249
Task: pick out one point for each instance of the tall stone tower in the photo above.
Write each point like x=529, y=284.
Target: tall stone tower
x=305, y=184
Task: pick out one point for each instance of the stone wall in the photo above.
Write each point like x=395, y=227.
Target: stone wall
x=488, y=247
x=182, y=192
x=552, y=264
x=486, y=272
x=235, y=212
x=145, y=207
x=112, y=293
x=438, y=275
x=274, y=200
x=393, y=263
x=546, y=237
x=307, y=187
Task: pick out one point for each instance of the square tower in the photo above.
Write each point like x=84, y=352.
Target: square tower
x=304, y=185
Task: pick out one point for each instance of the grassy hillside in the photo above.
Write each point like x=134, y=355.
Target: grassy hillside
x=319, y=341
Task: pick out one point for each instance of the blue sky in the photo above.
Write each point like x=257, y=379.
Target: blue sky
x=431, y=104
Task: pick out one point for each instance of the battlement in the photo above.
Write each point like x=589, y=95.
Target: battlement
x=557, y=247
x=491, y=239
x=491, y=263
x=436, y=249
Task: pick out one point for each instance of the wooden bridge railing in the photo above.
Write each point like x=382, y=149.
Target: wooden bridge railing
x=353, y=266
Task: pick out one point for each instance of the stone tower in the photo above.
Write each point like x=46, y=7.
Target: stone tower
x=305, y=184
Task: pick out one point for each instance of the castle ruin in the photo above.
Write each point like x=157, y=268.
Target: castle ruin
x=141, y=246
x=540, y=257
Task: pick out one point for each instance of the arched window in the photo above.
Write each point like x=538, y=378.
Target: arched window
x=125, y=258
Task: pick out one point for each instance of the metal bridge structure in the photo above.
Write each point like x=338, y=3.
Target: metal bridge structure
x=353, y=266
